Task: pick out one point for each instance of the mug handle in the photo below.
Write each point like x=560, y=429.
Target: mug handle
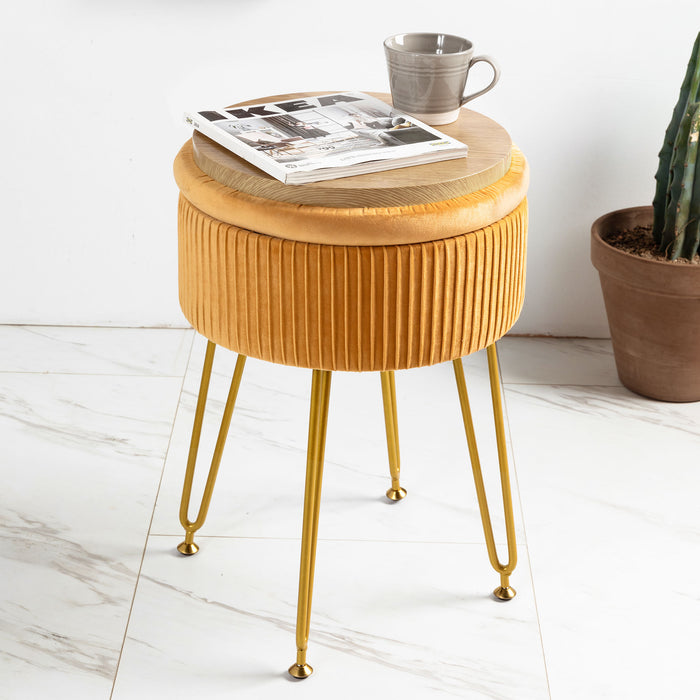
x=496, y=76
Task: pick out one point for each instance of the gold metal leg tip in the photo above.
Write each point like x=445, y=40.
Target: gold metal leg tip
x=396, y=494
x=187, y=548
x=504, y=593
x=300, y=671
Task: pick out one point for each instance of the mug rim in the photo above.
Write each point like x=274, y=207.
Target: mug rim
x=391, y=44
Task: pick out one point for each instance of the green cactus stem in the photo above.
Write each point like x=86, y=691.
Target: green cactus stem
x=687, y=209
x=678, y=168
x=691, y=244
x=689, y=93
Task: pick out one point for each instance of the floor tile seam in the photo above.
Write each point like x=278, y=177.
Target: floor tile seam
x=150, y=523
x=526, y=547
x=98, y=327
x=547, y=336
x=564, y=384
x=539, y=624
x=335, y=539
x=92, y=374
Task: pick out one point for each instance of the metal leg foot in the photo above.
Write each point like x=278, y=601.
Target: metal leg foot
x=396, y=492
x=318, y=420
x=300, y=671
x=188, y=547
x=504, y=591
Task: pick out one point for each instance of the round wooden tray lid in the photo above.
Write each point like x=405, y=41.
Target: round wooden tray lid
x=488, y=160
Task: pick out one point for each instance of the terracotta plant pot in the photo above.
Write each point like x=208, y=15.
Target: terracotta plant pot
x=653, y=311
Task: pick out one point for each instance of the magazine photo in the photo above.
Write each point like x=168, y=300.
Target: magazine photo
x=324, y=137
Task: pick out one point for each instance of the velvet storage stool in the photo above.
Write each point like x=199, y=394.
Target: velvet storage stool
x=373, y=273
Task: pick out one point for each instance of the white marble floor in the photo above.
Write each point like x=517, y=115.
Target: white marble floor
x=95, y=603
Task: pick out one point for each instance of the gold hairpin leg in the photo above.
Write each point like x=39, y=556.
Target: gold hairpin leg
x=504, y=591
x=395, y=493
x=318, y=419
x=191, y=526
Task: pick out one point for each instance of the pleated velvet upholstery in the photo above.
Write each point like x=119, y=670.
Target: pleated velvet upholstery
x=351, y=307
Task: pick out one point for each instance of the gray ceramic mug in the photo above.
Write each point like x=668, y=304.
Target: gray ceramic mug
x=428, y=74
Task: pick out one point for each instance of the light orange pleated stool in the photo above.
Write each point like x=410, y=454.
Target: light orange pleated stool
x=393, y=270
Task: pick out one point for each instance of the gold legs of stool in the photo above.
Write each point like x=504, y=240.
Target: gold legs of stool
x=318, y=419
x=504, y=591
x=188, y=546
x=395, y=493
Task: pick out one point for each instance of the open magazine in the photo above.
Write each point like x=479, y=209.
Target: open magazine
x=325, y=137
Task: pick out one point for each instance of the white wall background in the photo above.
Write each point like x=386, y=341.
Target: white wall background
x=93, y=92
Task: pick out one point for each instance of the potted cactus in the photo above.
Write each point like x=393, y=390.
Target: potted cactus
x=653, y=305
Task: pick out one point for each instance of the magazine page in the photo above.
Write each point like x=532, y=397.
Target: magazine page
x=329, y=131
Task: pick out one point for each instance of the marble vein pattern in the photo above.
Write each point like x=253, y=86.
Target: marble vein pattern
x=73, y=350
x=609, y=483
x=389, y=618
x=95, y=603
x=80, y=464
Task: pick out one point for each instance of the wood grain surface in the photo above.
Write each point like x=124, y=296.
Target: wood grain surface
x=487, y=161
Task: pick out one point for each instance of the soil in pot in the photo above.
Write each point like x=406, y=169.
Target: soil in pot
x=639, y=241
